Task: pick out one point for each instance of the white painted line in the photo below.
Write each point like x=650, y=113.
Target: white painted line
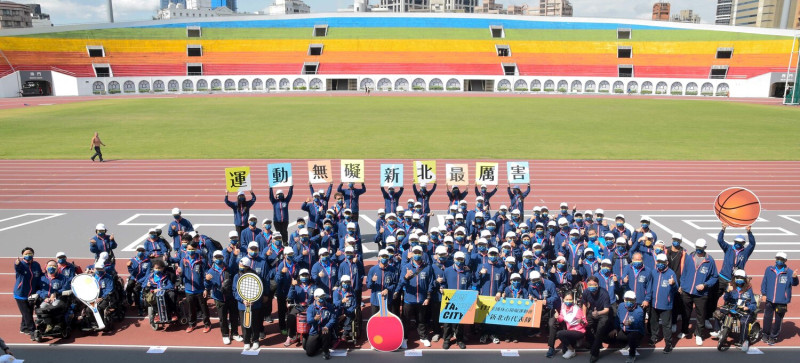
x=48, y=216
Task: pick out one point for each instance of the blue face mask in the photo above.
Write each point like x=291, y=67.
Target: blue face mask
x=384, y=261
x=51, y=270
x=780, y=263
x=479, y=220
x=739, y=281
x=676, y=244
x=329, y=216
x=414, y=243
x=345, y=286
x=442, y=258
x=659, y=251
x=153, y=236
x=267, y=226
x=252, y=223
x=551, y=229
x=401, y=237
x=561, y=266
x=630, y=304
x=565, y=228
x=661, y=266
x=218, y=261
x=539, y=232
x=506, y=251
x=537, y=252
x=351, y=232
x=158, y=272
x=482, y=248
x=176, y=216
x=637, y=264
x=592, y=289
x=569, y=304
x=417, y=257
x=459, y=263
x=301, y=226
x=578, y=220
x=304, y=279
x=526, y=242
x=516, y=284
x=573, y=239
x=544, y=214
x=140, y=255
x=589, y=219
x=527, y=261
x=392, y=222
x=621, y=249
x=252, y=253
x=605, y=270
x=699, y=251
x=620, y=224
x=493, y=258
x=593, y=239
x=460, y=238
x=62, y=261
x=328, y=228
x=479, y=205
x=325, y=258
x=510, y=265
x=738, y=246
x=304, y=239
x=193, y=254
x=347, y=217
x=645, y=225
x=590, y=258
x=503, y=213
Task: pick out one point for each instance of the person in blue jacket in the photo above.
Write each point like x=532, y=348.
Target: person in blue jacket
x=28, y=274
x=515, y=290
x=325, y=272
x=455, y=195
x=381, y=280
x=645, y=246
x=664, y=289
x=344, y=300
x=155, y=246
x=740, y=295
x=351, y=196
x=698, y=277
x=251, y=232
x=517, y=197
x=416, y=283
x=305, y=249
x=776, y=294
x=241, y=209
x=321, y=317
x=193, y=273
x=491, y=278
x=300, y=297
x=139, y=269
x=285, y=271
x=391, y=197
x=51, y=305
x=620, y=256
x=639, y=279
x=316, y=214
x=102, y=242
x=640, y=234
x=280, y=210
x=631, y=324
x=487, y=196
x=620, y=230
x=735, y=258
x=458, y=276
x=178, y=227
x=609, y=282
x=249, y=335
x=157, y=281
x=66, y=268
x=219, y=280
x=104, y=299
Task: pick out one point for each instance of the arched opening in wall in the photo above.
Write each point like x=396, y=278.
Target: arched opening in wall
x=271, y=85
x=401, y=85
x=299, y=84
x=113, y=87
x=618, y=87
x=604, y=87
x=549, y=86
x=647, y=88
x=158, y=86
x=216, y=85
x=661, y=88
x=691, y=89
x=520, y=85
x=384, y=84
x=723, y=89
x=98, y=88
x=453, y=85
x=633, y=87
x=144, y=87
x=591, y=86
x=436, y=84
x=315, y=84
x=504, y=85
x=367, y=83
x=779, y=89
x=707, y=89
x=230, y=85
x=202, y=85
x=258, y=84
x=536, y=85
x=562, y=86
x=128, y=87
x=187, y=86
x=244, y=84
x=576, y=86
x=676, y=89
x=284, y=84
x=173, y=86
x=418, y=84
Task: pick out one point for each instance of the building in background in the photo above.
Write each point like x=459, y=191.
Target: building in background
x=453, y=6
x=281, y=7
x=174, y=11
x=211, y=4
x=724, y=12
x=13, y=15
x=165, y=3
x=438, y=6
x=686, y=16
x=661, y=11
x=39, y=19
x=554, y=8
x=760, y=13
x=489, y=7
x=519, y=9
x=795, y=9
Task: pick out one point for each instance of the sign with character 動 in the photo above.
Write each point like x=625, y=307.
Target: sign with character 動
x=352, y=171
x=392, y=175
x=280, y=175
x=320, y=172
x=238, y=179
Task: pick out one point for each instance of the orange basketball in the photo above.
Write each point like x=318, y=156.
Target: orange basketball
x=737, y=207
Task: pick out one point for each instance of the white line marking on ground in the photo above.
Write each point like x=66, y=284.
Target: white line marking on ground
x=47, y=216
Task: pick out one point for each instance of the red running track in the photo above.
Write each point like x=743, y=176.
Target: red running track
x=200, y=184
x=136, y=331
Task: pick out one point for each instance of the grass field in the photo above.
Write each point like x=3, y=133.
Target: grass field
x=404, y=127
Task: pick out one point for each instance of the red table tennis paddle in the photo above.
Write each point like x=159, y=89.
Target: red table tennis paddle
x=385, y=330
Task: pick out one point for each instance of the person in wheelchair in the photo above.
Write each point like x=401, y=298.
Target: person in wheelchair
x=301, y=295
x=344, y=300
x=105, y=299
x=739, y=297
x=49, y=300
x=156, y=282
x=139, y=269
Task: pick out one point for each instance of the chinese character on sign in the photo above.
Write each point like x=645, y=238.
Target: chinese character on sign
x=391, y=175
x=457, y=174
x=352, y=170
x=518, y=172
x=424, y=172
x=238, y=178
x=279, y=175
x=486, y=173
x=320, y=172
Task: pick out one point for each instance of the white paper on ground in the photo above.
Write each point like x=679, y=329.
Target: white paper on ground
x=250, y=352
x=626, y=353
x=754, y=351
x=509, y=353
x=414, y=353
x=339, y=353
x=157, y=350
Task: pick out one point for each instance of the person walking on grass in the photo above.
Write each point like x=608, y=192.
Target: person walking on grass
x=95, y=144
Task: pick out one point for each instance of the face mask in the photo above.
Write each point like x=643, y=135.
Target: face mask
x=676, y=244
x=233, y=242
x=738, y=246
x=593, y=239
x=479, y=205
x=401, y=237
x=140, y=255
x=62, y=261
x=278, y=241
x=153, y=236
x=303, y=279
x=435, y=237
x=459, y=263
x=578, y=220
x=158, y=272
x=589, y=219
x=699, y=251
x=565, y=228
x=490, y=228
x=502, y=213
x=544, y=214
x=527, y=261
x=482, y=248
x=101, y=234
x=347, y=217
x=414, y=243
x=392, y=222
x=51, y=270
x=479, y=220
x=605, y=270
x=289, y=258
x=417, y=257
x=539, y=232
x=242, y=269
x=218, y=262
x=739, y=281
x=345, y=286
x=562, y=266
x=301, y=226
x=552, y=229
x=340, y=202
x=325, y=258
x=526, y=242
x=780, y=263
x=659, y=251
x=621, y=249
x=493, y=258
x=176, y=216
x=609, y=244
x=661, y=266
x=590, y=258
x=506, y=251
x=304, y=239
x=573, y=239
x=252, y=253
x=516, y=284
x=620, y=224
x=524, y=230
x=267, y=226
x=637, y=264
x=460, y=238
x=592, y=289
x=252, y=223
x=193, y=253
x=537, y=252
x=569, y=304
x=384, y=261
x=630, y=304
x=645, y=225
x=330, y=216
x=510, y=265
x=442, y=259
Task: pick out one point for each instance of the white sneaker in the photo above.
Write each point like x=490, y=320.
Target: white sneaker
x=714, y=334
x=246, y=347
x=745, y=346
x=238, y=338
x=569, y=354
x=708, y=324
x=255, y=346
x=681, y=336
x=698, y=340
x=226, y=340
x=674, y=328
x=426, y=342
x=436, y=338
x=405, y=344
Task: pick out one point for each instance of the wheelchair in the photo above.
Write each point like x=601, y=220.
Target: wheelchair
x=730, y=317
x=53, y=322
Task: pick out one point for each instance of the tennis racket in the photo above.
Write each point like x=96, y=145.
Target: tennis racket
x=249, y=288
x=86, y=289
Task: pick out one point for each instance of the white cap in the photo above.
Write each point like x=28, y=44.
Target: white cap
x=194, y=234
x=561, y=258
x=408, y=214
x=644, y=218
x=137, y=248
x=381, y=211
x=440, y=250
x=233, y=234
x=483, y=185
x=491, y=221
x=383, y=252
x=176, y=211
x=217, y=253
x=588, y=212
x=391, y=239
x=605, y=261
x=266, y=220
x=648, y=235
x=351, y=225
x=564, y=204
x=349, y=249
x=510, y=234
x=620, y=216
x=493, y=250
x=459, y=254
x=415, y=216
x=563, y=221
x=453, y=207
x=551, y=223
x=630, y=295
x=416, y=248
x=252, y=244
x=424, y=239
x=677, y=236
x=459, y=216
x=100, y=226
x=701, y=243
x=781, y=255
x=449, y=217
x=511, y=259
x=349, y=239
x=318, y=193
x=244, y=261
x=323, y=250
x=515, y=211
x=61, y=254
x=304, y=272
x=413, y=237
x=318, y=293
x=515, y=276
x=523, y=225
x=609, y=235
x=544, y=207
x=422, y=185
x=659, y=242
x=448, y=238
x=588, y=251
x=534, y=275
x=344, y=278
x=599, y=211
x=391, y=215
x=479, y=214
x=417, y=204
x=280, y=191
x=621, y=240
x=151, y=230
x=288, y=250
x=486, y=233
x=503, y=207
x=661, y=257
x=103, y=256
x=304, y=232
x=527, y=253
x=574, y=231
x=464, y=202
x=461, y=230
x=252, y=216
x=537, y=209
x=506, y=244
x=740, y=273
x=482, y=241
x=739, y=238
x=399, y=209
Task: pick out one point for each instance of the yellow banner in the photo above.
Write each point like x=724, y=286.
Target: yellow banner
x=238, y=179
x=352, y=171
x=424, y=171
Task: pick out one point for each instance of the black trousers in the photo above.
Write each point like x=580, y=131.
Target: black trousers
x=678, y=310
x=292, y=321
x=97, y=153
x=26, y=325
x=698, y=304
x=196, y=301
x=715, y=293
x=453, y=330
x=569, y=338
x=283, y=229
x=228, y=317
x=633, y=338
x=282, y=310
x=416, y=312
x=239, y=230
x=553, y=327
x=433, y=317
x=596, y=332
x=771, y=328
x=266, y=307
x=662, y=318
x=317, y=342
x=250, y=335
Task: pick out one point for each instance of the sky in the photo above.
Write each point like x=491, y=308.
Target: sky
x=63, y=12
